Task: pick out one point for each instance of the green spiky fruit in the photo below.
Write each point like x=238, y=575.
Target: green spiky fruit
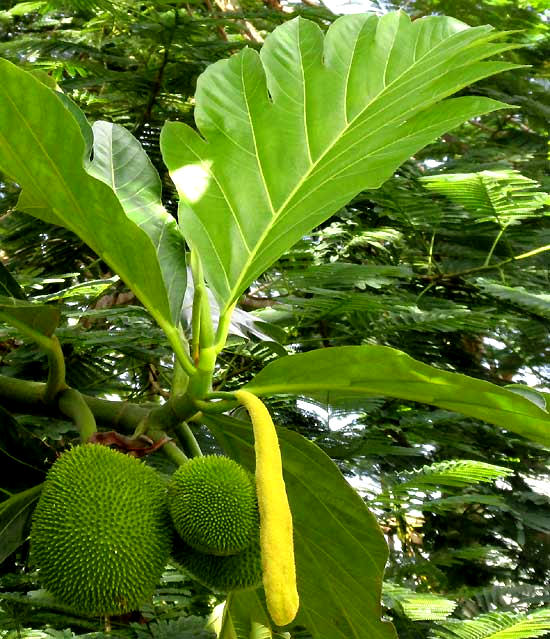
x=101, y=532
x=222, y=574
x=213, y=505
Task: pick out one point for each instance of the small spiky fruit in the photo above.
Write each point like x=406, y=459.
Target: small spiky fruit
x=222, y=574
x=213, y=505
x=100, y=534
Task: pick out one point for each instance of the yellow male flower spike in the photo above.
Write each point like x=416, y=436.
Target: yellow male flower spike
x=276, y=539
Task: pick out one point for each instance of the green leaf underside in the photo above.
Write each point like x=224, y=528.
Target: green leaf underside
x=342, y=113
x=14, y=516
x=245, y=617
x=340, y=550
x=380, y=370
x=43, y=150
x=120, y=161
x=28, y=317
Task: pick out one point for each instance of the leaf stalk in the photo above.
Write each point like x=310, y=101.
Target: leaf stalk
x=56, y=371
x=72, y=405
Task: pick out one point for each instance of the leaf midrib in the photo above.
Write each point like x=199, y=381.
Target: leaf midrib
x=112, y=259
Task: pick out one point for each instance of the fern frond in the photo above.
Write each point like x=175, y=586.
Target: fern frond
x=501, y=625
x=456, y=472
x=452, y=503
x=84, y=5
x=182, y=628
x=475, y=553
x=346, y=276
x=258, y=631
x=390, y=313
x=407, y=203
x=536, y=303
x=417, y=606
x=23, y=8
x=505, y=598
x=504, y=197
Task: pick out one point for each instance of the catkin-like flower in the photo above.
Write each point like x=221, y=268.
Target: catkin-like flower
x=276, y=538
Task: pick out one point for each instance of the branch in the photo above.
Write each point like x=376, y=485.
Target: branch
x=487, y=267
x=157, y=84
x=252, y=303
x=26, y=397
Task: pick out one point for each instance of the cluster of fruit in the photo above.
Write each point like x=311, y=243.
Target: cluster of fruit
x=106, y=524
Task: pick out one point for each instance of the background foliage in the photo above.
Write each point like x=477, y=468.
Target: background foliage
x=448, y=271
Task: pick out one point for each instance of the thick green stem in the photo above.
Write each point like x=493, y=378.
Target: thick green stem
x=188, y=440
x=201, y=305
x=180, y=380
x=196, y=325
x=204, y=352
x=201, y=383
x=50, y=345
x=74, y=406
x=179, y=346
x=179, y=408
x=56, y=373
x=21, y=394
x=221, y=395
x=27, y=397
x=198, y=293
x=170, y=449
x=117, y=415
x=224, y=323
x=166, y=417
x=213, y=408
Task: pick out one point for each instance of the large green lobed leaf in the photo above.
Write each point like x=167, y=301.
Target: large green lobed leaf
x=15, y=514
x=380, y=370
x=292, y=134
x=339, y=548
x=120, y=161
x=43, y=149
x=35, y=320
x=245, y=617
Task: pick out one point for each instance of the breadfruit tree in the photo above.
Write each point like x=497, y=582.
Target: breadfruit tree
x=283, y=139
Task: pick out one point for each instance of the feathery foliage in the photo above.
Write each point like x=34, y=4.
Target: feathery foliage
x=448, y=261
